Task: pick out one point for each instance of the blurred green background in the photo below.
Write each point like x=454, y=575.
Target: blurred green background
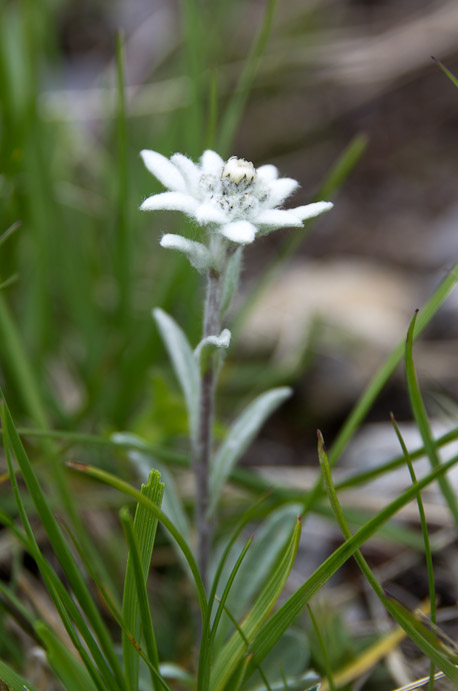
x=85, y=266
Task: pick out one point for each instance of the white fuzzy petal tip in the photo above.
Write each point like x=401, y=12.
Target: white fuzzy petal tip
x=198, y=255
x=163, y=170
x=211, y=162
x=312, y=210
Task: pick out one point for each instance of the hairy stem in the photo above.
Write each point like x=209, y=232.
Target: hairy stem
x=203, y=447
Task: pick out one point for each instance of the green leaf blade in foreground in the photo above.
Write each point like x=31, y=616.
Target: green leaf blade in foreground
x=421, y=418
x=184, y=364
x=239, y=437
x=281, y=620
x=270, y=541
x=125, y=488
x=14, y=681
x=72, y=674
x=236, y=648
x=412, y=628
x=145, y=526
x=61, y=548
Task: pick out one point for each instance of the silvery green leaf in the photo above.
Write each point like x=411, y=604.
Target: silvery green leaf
x=231, y=279
x=208, y=346
x=184, y=364
x=198, y=255
x=239, y=437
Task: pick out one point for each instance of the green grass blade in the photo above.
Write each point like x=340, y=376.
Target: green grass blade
x=136, y=579
x=271, y=539
x=377, y=383
x=123, y=251
x=421, y=418
x=426, y=540
x=235, y=649
x=125, y=488
x=14, y=681
x=145, y=526
x=15, y=355
x=194, y=65
x=344, y=165
x=324, y=652
x=446, y=71
x=62, y=600
x=227, y=589
x=60, y=546
x=282, y=619
x=366, y=476
x=205, y=648
x=379, y=380
x=72, y=674
x=234, y=110
x=412, y=628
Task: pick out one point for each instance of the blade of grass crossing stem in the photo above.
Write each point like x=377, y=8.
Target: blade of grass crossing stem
x=238, y=679
x=271, y=539
x=238, y=476
x=227, y=590
x=244, y=663
x=234, y=110
x=208, y=642
x=72, y=674
x=138, y=562
x=235, y=649
x=281, y=620
x=426, y=540
x=59, y=595
x=421, y=418
x=205, y=647
x=125, y=488
x=324, y=652
x=335, y=178
x=431, y=650
x=14, y=681
x=60, y=546
x=143, y=608
x=123, y=244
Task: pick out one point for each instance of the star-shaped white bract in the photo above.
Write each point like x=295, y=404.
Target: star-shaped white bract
x=232, y=198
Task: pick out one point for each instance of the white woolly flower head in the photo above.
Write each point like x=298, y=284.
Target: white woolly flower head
x=231, y=198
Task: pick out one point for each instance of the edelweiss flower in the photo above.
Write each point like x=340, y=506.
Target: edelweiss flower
x=232, y=198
